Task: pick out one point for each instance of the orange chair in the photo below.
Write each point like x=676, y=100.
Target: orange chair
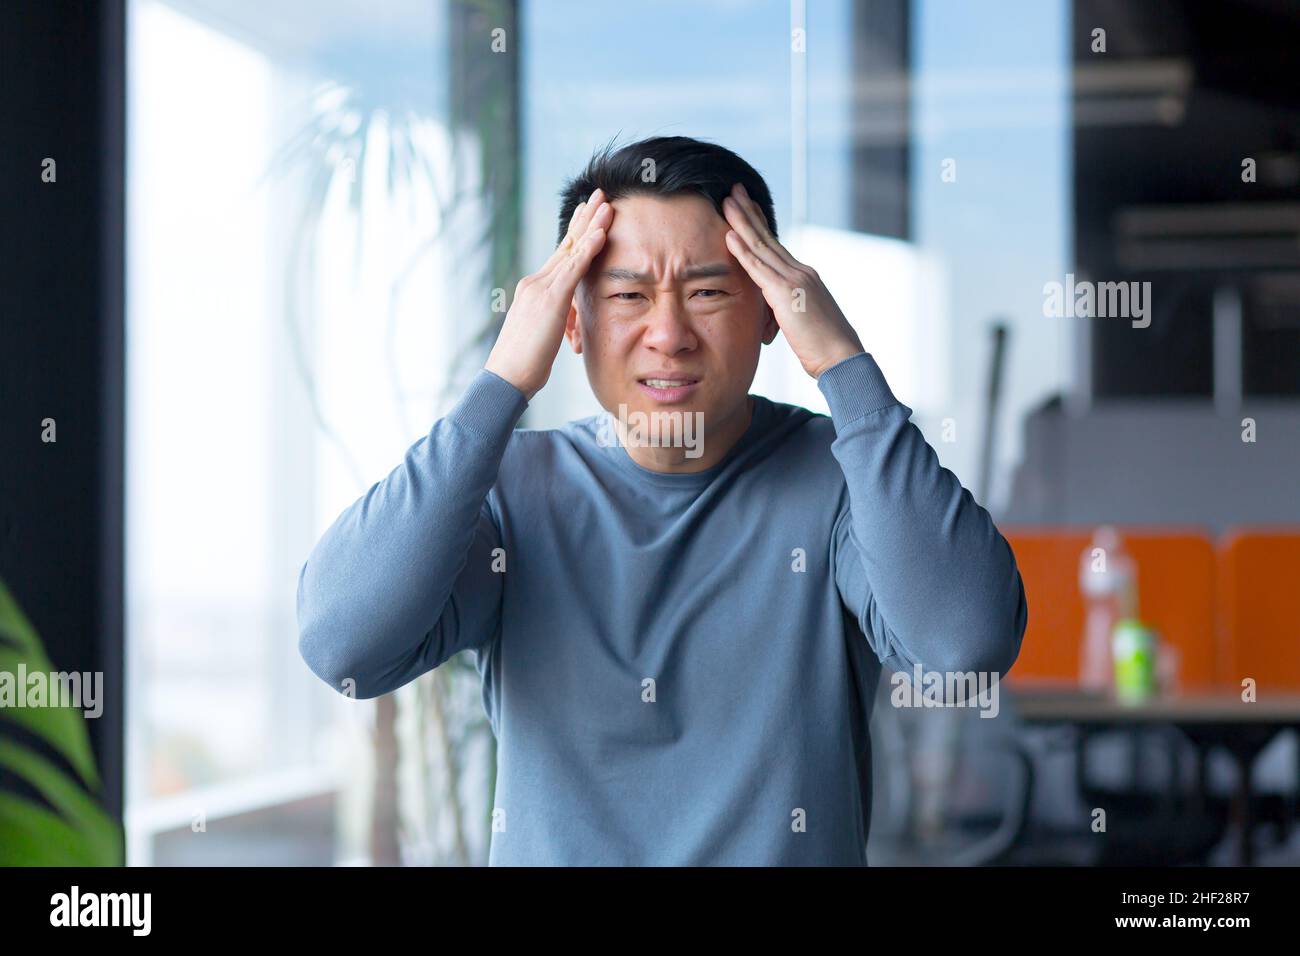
x=1176, y=585
x=1048, y=560
x=1176, y=596
x=1259, y=580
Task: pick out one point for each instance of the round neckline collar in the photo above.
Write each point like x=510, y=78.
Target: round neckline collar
x=618, y=453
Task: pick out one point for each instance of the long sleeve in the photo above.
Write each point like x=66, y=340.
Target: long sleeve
x=920, y=564
x=403, y=578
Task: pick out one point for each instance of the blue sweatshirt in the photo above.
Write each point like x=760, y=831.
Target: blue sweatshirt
x=678, y=668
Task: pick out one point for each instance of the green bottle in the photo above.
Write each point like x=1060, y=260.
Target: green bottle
x=1133, y=649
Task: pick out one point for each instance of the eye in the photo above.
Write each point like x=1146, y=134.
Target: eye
x=716, y=293
x=619, y=296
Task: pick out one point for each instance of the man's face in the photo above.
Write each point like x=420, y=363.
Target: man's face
x=666, y=300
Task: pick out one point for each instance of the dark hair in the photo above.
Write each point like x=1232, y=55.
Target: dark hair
x=680, y=165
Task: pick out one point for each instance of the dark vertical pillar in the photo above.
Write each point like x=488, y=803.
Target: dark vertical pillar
x=62, y=81
x=881, y=58
x=483, y=95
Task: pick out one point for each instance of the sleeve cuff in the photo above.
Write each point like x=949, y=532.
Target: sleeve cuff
x=855, y=387
x=490, y=406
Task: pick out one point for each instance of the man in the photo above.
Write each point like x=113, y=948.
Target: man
x=679, y=646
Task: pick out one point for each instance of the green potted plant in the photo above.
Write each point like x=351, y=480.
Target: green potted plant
x=64, y=825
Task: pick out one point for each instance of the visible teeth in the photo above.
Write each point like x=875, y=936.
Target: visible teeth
x=666, y=382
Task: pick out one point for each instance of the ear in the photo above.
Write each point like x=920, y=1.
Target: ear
x=572, y=328
x=770, y=325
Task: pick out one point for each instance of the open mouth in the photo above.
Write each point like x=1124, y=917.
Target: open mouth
x=668, y=388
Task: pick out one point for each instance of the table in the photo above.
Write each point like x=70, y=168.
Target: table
x=1207, y=718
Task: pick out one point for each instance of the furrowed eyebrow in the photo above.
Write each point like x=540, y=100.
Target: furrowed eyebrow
x=695, y=272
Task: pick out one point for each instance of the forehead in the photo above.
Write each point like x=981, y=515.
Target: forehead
x=665, y=228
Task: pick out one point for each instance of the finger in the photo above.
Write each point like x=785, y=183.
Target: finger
x=769, y=250
x=765, y=276
x=578, y=224
x=759, y=220
x=566, y=276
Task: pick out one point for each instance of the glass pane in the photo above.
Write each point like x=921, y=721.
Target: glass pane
x=292, y=313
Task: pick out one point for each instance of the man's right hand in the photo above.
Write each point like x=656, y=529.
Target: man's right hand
x=534, y=327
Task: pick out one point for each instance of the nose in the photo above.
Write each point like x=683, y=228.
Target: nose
x=668, y=328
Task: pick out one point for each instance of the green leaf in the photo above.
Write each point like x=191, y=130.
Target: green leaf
x=31, y=835
x=77, y=831
x=99, y=831
x=16, y=628
x=62, y=729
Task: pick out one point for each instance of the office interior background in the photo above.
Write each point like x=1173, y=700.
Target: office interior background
x=267, y=265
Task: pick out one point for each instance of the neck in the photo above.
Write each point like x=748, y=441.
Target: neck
x=681, y=442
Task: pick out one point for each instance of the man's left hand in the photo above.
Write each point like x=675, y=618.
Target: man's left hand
x=813, y=324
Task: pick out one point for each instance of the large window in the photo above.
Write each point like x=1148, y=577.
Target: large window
x=316, y=226
x=292, y=312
